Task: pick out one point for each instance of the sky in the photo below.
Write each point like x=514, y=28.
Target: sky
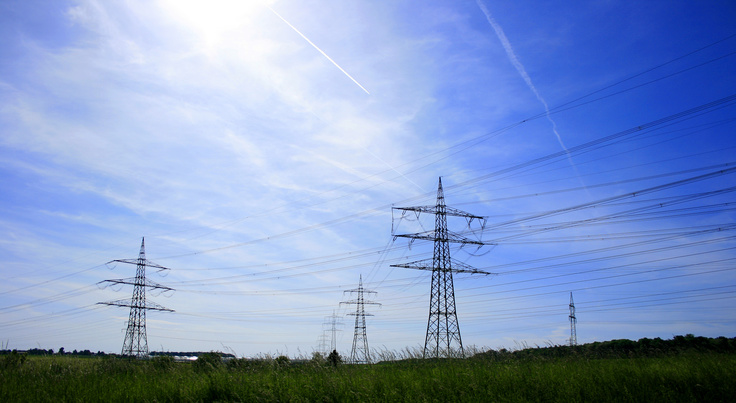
x=260, y=147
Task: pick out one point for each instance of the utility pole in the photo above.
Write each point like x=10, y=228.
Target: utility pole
x=443, y=331
x=136, y=340
x=360, y=353
x=573, y=323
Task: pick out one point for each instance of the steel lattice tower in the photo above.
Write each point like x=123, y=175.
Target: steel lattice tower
x=443, y=331
x=333, y=323
x=322, y=344
x=573, y=323
x=360, y=354
x=136, y=340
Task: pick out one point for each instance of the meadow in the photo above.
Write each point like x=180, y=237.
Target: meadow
x=542, y=374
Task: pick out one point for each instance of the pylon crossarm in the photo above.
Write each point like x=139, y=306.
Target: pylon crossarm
x=133, y=281
x=359, y=314
x=451, y=237
x=147, y=263
x=156, y=266
x=460, y=267
x=358, y=290
x=147, y=305
x=128, y=261
x=355, y=301
x=428, y=264
x=459, y=213
x=447, y=211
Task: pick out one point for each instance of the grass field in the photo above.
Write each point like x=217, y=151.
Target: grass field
x=685, y=377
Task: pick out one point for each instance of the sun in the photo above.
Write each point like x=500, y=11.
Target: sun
x=213, y=19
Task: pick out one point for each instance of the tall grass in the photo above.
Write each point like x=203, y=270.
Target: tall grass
x=685, y=377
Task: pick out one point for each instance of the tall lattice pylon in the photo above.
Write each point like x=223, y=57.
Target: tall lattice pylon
x=322, y=344
x=136, y=340
x=573, y=323
x=360, y=354
x=443, y=331
x=332, y=322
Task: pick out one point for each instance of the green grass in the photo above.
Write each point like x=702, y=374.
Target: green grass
x=686, y=377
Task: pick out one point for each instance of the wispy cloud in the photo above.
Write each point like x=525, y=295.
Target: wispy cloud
x=264, y=180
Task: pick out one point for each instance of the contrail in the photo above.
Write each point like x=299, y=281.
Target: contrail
x=519, y=67
x=320, y=50
x=356, y=83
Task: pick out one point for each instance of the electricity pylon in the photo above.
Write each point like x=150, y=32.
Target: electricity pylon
x=443, y=331
x=333, y=322
x=322, y=344
x=136, y=341
x=573, y=323
x=360, y=353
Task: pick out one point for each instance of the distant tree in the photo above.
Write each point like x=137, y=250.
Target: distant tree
x=61, y=351
x=37, y=351
x=334, y=358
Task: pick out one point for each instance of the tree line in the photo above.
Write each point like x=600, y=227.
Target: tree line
x=621, y=348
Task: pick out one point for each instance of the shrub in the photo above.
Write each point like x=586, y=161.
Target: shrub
x=163, y=362
x=282, y=361
x=248, y=364
x=13, y=360
x=208, y=361
x=318, y=359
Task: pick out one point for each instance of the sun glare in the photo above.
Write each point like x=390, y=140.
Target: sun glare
x=212, y=18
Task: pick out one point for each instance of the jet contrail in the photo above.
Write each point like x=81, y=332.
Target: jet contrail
x=356, y=83
x=519, y=67
x=320, y=50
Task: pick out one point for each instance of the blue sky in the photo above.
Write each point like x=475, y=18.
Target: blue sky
x=259, y=147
